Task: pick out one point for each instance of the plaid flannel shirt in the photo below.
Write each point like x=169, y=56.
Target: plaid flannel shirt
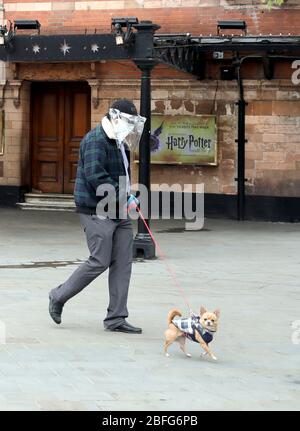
x=190, y=325
x=100, y=162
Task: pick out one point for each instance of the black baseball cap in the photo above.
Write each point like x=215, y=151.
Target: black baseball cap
x=125, y=105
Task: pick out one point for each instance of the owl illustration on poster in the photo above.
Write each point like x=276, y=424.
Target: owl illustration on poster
x=154, y=139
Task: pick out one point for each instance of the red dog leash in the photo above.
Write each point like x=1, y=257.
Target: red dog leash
x=164, y=258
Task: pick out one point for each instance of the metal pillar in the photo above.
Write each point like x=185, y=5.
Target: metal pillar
x=143, y=245
x=241, y=151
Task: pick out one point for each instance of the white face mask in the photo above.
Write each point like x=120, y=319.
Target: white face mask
x=128, y=128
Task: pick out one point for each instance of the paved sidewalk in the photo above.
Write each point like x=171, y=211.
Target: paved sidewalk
x=249, y=270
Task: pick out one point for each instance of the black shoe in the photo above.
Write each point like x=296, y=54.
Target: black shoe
x=55, y=310
x=126, y=327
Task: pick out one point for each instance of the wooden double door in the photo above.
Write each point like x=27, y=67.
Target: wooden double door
x=60, y=118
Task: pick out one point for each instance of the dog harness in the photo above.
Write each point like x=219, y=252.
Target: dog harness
x=190, y=325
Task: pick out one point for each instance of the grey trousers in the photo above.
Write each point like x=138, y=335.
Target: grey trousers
x=110, y=246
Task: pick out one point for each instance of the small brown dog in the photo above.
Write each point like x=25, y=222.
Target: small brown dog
x=196, y=328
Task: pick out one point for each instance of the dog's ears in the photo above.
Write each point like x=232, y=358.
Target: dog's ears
x=217, y=312
x=202, y=310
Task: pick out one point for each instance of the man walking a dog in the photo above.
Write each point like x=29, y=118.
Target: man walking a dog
x=104, y=160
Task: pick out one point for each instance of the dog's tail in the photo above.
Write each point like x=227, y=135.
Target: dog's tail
x=172, y=314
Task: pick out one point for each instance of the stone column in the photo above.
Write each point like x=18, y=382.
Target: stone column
x=17, y=137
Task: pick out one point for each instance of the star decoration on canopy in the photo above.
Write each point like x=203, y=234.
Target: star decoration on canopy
x=94, y=47
x=36, y=49
x=65, y=48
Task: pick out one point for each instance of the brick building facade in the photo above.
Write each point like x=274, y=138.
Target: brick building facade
x=272, y=115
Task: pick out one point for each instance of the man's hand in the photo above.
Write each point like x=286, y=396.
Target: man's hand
x=132, y=202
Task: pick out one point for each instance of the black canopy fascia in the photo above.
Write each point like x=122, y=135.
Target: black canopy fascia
x=181, y=51
x=73, y=48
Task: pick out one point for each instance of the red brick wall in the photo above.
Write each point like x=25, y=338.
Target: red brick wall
x=180, y=18
x=273, y=148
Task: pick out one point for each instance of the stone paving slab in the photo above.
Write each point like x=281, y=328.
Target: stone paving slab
x=250, y=270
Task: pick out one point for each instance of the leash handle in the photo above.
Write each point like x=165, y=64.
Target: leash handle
x=163, y=257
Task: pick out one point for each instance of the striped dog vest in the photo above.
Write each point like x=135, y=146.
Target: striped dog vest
x=190, y=325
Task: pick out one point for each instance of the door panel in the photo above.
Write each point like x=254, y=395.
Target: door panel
x=61, y=117
x=77, y=124
x=48, y=135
